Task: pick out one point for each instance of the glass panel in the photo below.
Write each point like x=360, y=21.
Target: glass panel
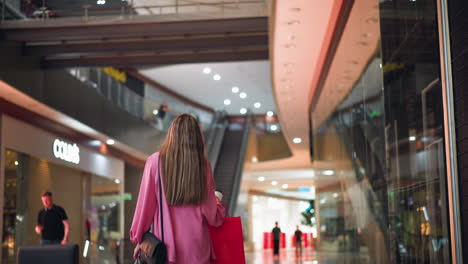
x=103, y=225
x=9, y=207
x=389, y=201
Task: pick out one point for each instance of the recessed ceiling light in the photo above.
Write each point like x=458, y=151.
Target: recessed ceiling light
x=285, y=186
x=274, y=127
x=117, y=181
x=257, y=105
x=95, y=143
x=270, y=113
x=243, y=111
x=261, y=179
x=371, y=20
x=110, y=142
x=235, y=89
x=16, y=163
x=294, y=22
x=216, y=77
x=297, y=140
x=243, y=95
x=290, y=45
x=328, y=172
x=254, y=159
x=207, y=70
x=227, y=101
x=362, y=43
x=335, y=195
x=274, y=183
x=412, y=138
x=155, y=112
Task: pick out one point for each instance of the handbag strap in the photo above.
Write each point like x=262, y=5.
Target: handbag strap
x=160, y=199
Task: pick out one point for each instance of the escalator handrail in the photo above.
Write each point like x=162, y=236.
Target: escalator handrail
x=239, y=165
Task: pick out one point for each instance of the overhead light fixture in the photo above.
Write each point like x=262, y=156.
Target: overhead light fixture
x=412, y=138
x=16, y=163
x=216, y=77
x=322, y=201
x=254, y=159
x=335, y=195
x=117, y=181
x=155, y=112
x=270, y=113
x=294, y=22
x=290, y=45
x=101, y=2
x=110, y=142
x=328, y=172
x=285, y=186
x=243, y=95
x=235, y=89
x=261, y=179
x=297, y=140
x=95, y=143
x=257, y=105
x=243, y=111
x=273, y=127
x=207, y=70
x=274, y=183
x=227, y=101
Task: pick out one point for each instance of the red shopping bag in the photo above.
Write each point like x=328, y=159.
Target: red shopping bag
x=228, y=242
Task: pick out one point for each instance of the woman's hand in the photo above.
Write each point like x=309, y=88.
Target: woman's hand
x=136, y=251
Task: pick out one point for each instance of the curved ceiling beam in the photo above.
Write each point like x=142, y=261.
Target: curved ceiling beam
x=302, y=32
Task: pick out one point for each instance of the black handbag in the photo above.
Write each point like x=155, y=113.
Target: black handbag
x=152, y=249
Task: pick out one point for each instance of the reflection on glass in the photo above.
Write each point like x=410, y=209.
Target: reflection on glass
x=102, y=225
x=91, y=202
x=390, y=129
x=9, y=207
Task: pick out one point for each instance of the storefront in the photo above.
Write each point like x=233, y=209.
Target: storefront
x=87, y=184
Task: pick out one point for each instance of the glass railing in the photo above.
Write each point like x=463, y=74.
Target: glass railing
x=151, y=110
x=103, y=10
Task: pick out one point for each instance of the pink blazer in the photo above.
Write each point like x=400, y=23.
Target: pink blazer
x=185, y=227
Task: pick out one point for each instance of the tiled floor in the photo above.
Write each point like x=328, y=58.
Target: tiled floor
x=309, y=257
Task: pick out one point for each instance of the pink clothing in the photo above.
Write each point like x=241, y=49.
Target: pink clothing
x=185, y=227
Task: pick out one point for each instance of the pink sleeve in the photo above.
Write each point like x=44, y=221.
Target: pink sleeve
x=214, y=213
x=146, y=205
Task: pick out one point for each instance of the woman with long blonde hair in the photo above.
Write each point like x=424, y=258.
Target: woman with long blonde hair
x=189, y=203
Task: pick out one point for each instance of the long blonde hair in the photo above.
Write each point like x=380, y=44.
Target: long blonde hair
x=183, y=162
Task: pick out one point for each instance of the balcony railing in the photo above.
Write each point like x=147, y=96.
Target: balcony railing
x=103, y=10
x=141, y=107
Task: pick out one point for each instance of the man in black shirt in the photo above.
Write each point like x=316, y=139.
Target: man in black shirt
x=298, y=240
x=276, y=239
x=52, y=222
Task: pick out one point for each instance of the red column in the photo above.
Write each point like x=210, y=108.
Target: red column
x=283, y=240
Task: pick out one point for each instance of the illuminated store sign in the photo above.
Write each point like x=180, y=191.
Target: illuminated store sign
x=66, y=151
x=115, y=73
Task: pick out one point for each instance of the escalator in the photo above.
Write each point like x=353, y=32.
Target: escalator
x=226, y=147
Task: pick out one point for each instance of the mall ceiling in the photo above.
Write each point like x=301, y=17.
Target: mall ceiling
x=241, y=85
